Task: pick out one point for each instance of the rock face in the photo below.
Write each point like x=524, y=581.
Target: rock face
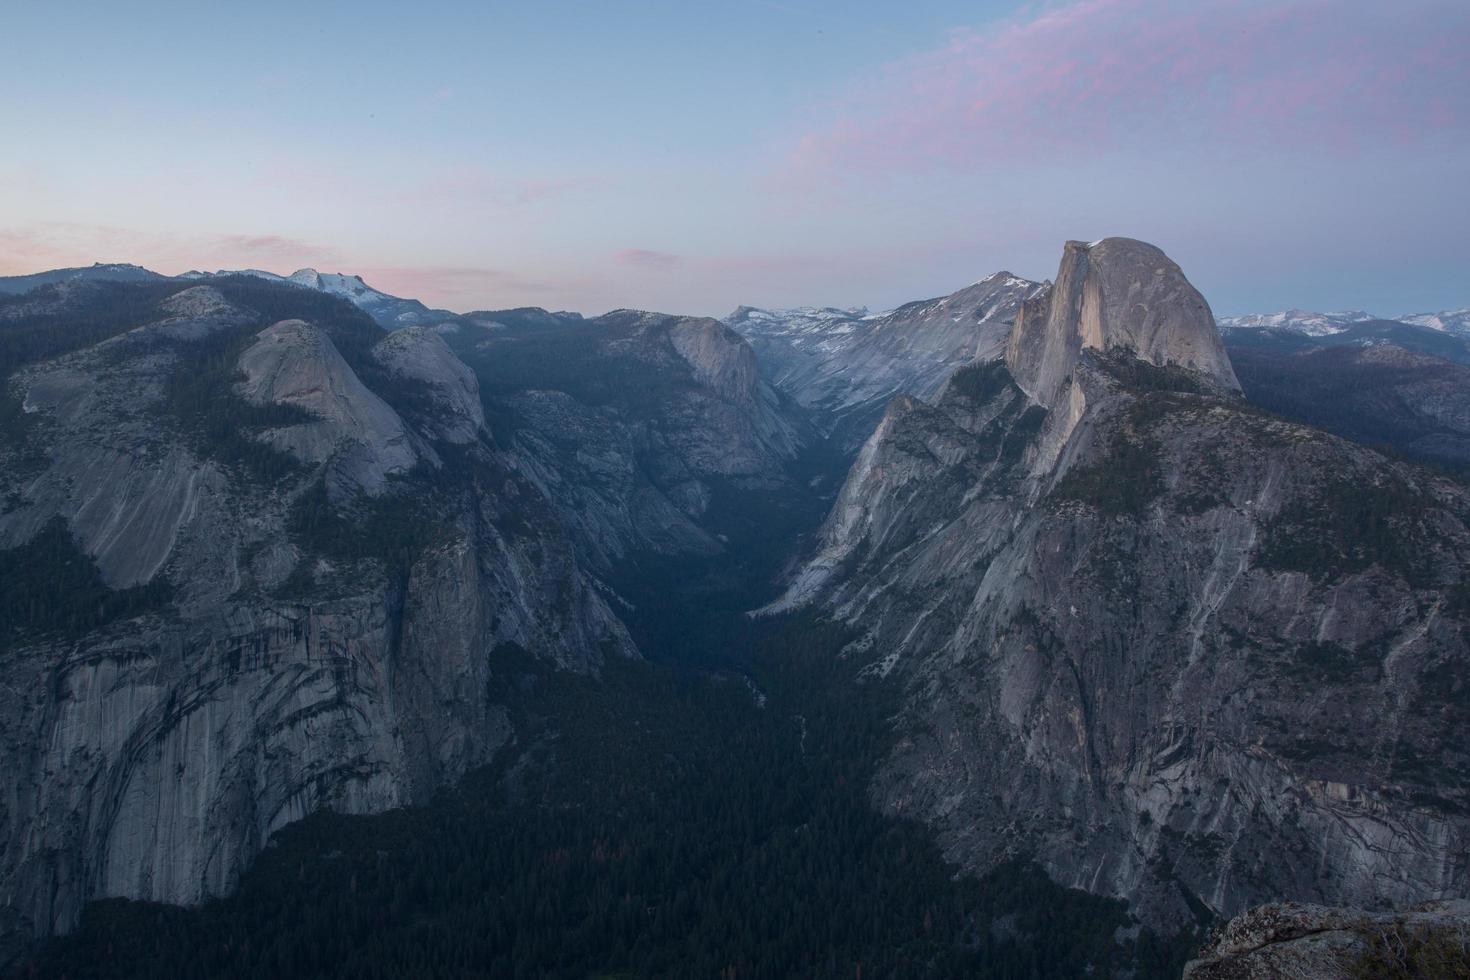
x=331, y=563
x=1176, y=650
x=1310, y=942
x=634, y=424
x=1116, y=294
x=420, y=355
x=295, y=363
x=845, y=365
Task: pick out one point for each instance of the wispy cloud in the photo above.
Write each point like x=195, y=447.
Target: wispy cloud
x=1094, y=75
x=646, y=258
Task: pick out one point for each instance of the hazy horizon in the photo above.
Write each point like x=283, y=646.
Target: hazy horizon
x=770, y=154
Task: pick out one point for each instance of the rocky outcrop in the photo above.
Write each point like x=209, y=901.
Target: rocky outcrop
x=1120, y=295
x=1310, y=942
x=308, y=652
x=1176, y=650
x=296, y=364
x=727, y=421
x=419, y=354
x=1115, y=294
x=844, y=366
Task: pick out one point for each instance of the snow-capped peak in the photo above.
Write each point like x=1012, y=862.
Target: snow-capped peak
x=1448, y=321
x=1304, y=322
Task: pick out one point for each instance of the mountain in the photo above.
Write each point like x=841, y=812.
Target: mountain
x=1363, y=333
x=1307, y=323
x=1294, y=321
x=100, y=272
x=1380, y=394
x=845, y=365
x=257, y=560
x=1175, y=649
x=650, y=433
x=390, y=312
x=1386, y=383
x=1456, y=322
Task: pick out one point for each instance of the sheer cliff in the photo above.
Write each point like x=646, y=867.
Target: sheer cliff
x=258, y=561
x=1176, y=649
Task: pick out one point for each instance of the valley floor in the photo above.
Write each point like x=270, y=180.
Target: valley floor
x=666, y=819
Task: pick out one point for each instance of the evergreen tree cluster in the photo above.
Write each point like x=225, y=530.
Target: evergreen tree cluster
x=50, y=586
x=649, y=822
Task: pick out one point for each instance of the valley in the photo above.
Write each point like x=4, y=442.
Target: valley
x=1029, y=631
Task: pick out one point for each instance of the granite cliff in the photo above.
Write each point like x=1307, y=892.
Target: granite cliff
x=296, y=553
x=1177, y=650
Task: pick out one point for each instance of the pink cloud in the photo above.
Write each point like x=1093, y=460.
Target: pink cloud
x=1095, y=75
x=646, y=258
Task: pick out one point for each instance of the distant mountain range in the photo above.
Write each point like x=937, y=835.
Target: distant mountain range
x=390, y=312
x=1312, y=324
x=803, y=327
x=100, y=272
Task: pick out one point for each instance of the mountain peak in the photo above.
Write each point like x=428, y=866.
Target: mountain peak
x=1115, y=293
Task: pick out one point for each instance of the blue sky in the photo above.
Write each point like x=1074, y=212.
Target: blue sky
x=691, y=156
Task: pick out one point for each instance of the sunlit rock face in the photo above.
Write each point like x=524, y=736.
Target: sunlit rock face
x=1176, y=649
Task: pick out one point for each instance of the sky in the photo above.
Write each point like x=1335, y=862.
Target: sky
x=690, y=156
